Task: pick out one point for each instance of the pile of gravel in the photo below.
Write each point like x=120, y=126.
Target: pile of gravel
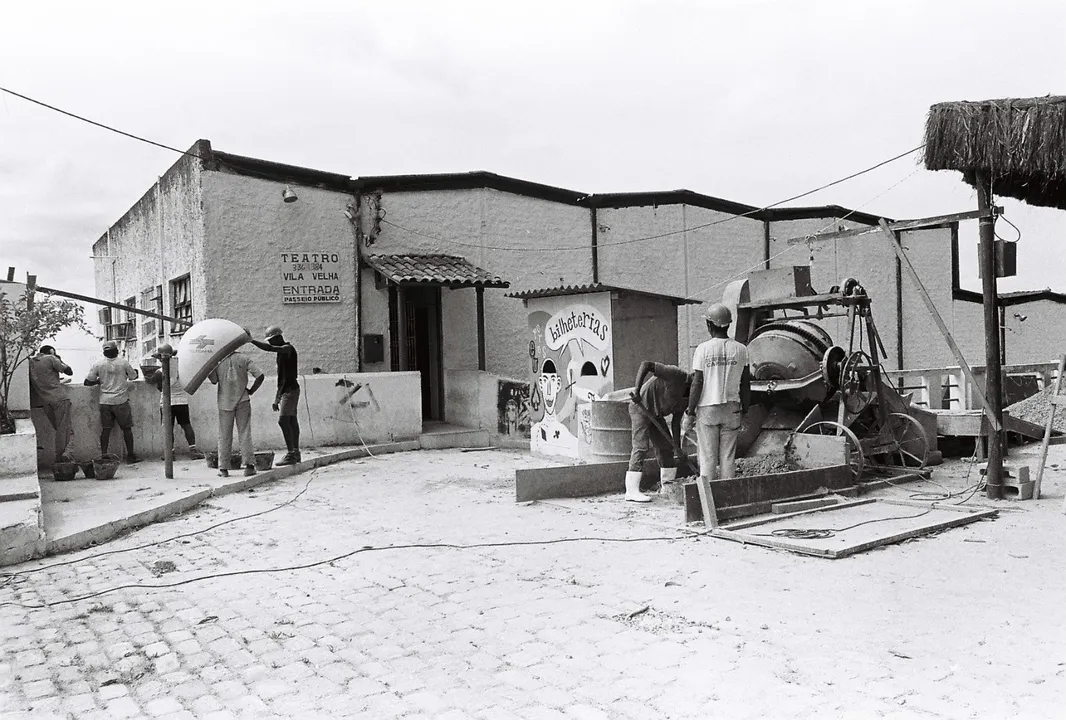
x=1035, y=409
x=764, y=465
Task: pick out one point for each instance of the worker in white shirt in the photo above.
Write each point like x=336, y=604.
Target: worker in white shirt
x=721, y=387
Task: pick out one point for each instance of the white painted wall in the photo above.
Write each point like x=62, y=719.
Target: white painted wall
x=386, y=409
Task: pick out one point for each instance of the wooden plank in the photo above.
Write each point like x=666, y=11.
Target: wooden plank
x=959, y=358
x=743, y=525
x=710, y=512
x=963, y=516
x=782, y=508
x=899, y=226
x=570, y=481
x=770, y=543
x=1056, y=399
x=915, y=532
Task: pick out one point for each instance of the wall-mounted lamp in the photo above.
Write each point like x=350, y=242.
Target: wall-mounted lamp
x=288, y=195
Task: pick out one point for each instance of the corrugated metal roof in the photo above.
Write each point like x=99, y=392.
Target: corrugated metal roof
x=595, y=288
x=447, y=270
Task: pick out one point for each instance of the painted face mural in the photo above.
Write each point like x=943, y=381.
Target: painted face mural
x=570, y=352
x=550, y=384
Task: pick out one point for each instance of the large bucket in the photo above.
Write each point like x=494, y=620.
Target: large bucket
x=612, y=435
x=105, y=466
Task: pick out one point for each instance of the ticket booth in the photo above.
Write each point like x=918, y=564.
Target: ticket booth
x=585, y=342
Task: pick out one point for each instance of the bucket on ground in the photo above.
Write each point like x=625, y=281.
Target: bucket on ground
x=87, y=469
x=62, y=471
x=264, y=460
x=104, y=467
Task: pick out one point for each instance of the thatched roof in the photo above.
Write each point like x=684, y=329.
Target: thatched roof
x=1019, y=143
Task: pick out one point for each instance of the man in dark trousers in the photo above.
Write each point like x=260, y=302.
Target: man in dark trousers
x=47, y=392
x=113, y=374
x=287, y=399
x=663, y=394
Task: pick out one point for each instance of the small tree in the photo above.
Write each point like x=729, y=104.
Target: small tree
x=24, y=327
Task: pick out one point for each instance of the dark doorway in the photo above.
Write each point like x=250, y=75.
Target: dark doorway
x=422, y=340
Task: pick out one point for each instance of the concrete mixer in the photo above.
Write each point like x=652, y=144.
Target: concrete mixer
x=804, y=382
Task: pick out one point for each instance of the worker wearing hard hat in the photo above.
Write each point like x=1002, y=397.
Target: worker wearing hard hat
x=719, y=397
x=287, y=399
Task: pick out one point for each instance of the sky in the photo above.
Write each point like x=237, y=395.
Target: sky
x=752, y=101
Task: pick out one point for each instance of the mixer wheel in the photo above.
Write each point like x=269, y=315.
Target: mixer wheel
x=911, y=440
x=853, y=380
x=856, y=459
x=832, y=363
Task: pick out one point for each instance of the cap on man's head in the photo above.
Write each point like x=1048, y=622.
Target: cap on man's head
x=110, y=345
x=48, y=350
x=273, y=331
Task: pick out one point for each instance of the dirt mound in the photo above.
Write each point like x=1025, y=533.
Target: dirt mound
x=764, y=465
x=1035, y=409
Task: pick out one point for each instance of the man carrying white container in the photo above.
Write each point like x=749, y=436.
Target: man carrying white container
x=721, y=386
x=235, y=405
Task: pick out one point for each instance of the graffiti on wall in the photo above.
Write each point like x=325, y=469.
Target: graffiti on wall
x=570, y=353
x=352, y=399
x=512, y=406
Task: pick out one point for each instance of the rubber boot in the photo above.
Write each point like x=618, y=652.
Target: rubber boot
x=667, y=476
x=633, y=493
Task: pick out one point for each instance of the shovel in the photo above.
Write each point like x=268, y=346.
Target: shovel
x=684, y=467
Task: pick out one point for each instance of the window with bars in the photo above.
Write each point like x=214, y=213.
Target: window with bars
x=151, y=328
x=117, y=324
x=180, y=303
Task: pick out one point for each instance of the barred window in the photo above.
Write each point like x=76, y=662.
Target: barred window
x=180, y=303
x=151, y=328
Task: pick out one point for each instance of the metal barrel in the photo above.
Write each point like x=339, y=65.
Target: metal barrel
x=612, y=438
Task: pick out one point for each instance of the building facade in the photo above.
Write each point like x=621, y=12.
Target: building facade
x=400, y=273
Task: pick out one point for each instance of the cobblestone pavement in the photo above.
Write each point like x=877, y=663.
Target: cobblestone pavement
x=964, y=624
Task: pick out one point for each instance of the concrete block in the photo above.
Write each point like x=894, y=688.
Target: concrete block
x=18, y=451
x=800, y=505
x=21, y=531
x=1018, y=491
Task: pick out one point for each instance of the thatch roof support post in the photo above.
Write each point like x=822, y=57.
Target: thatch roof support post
x=993, y=359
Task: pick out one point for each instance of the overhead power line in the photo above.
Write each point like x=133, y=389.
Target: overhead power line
x=459, y=243
x=97, y=124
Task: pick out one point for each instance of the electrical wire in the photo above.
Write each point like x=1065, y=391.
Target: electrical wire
x=823, y=533
x=97, y=124
x=343, y=556
x=762, y=263
x=9, y=577
x=669, y=233
x=720, y=221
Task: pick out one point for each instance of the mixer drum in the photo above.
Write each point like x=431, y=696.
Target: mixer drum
x=787, y=350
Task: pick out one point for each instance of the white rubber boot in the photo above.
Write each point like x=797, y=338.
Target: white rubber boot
x=666, y=478
x=633, y=493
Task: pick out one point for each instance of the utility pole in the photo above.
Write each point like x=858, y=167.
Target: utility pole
x=163, y=353
x=993, y=367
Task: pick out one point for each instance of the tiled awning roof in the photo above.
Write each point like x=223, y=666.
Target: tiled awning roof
x=595, y=288
x=438, y=270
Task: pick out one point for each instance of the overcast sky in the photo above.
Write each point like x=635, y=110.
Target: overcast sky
x=752, y=101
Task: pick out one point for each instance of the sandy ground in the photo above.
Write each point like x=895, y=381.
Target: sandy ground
x=644, y=621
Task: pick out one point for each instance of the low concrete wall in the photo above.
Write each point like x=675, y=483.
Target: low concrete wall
x=472, y=400
x=18, y=451
x=342, y=409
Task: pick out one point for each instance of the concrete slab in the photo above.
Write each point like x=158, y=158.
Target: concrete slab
x=21, y=531
x=23, y=487
x=84, y=512
x=441, y=436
